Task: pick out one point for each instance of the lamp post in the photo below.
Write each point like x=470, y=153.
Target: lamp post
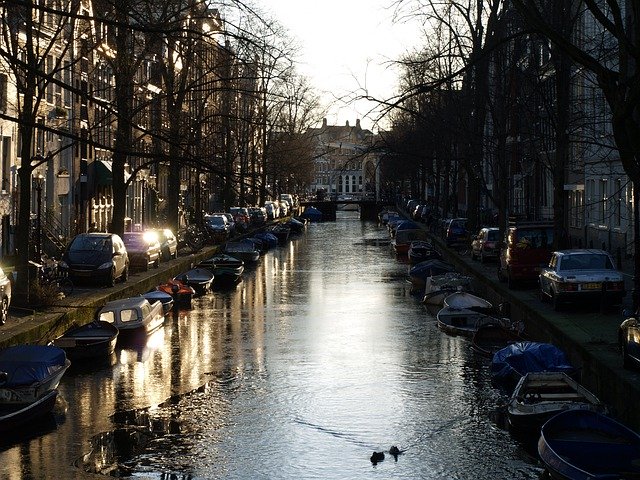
x=39, y=181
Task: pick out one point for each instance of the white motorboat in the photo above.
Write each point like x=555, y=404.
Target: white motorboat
x=438, y=287
x=133, y=315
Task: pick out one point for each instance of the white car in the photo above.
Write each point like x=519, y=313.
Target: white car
x=580, y=275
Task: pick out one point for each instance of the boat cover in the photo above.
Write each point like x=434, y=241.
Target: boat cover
x=269, y=238
x=27, y=364
x=407, y=225
x=520, y=358
x=312, y=213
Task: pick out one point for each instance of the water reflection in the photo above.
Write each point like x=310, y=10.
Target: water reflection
x=319, y=357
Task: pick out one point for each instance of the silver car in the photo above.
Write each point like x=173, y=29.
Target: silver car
x=579, y=275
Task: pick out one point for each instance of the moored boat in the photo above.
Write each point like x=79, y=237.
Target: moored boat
x=405, y=236
x=510, y=363
x=244, y=250
x=91, y=340
x=312, y=214
x=460, y=299
x=586, y=445
x=15, y=416
x=541, y=395
x=28, y=372
x=200, y=279
x=181, y=293
x=157, y=296
x=133, y=316
x=227, y=270
x=419, y=272
x=464, y=321
x=438, y=287
x=421, y=250
x=491, y=337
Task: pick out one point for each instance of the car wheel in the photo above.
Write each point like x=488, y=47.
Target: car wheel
x=157, y=263
x=125, y=273
x=500, y=275
x=145, y=267
x=4, y=311
x=111, y=280
x=482, y=259
x=473, y=254
x=511, y=283
x=557, y=306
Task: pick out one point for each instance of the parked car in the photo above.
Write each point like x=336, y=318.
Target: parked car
x=629, y=341
x=143, y=249
x=241, y=218
x=457, y=232
x=284, y=208
x=217, y=227
x=273, y=209
x=5, y=296
x=232, y=223
x=258, y=215
x=581, y=275
x=485, y=244
x=98, y=257
x=525, y=251
x=168, y=243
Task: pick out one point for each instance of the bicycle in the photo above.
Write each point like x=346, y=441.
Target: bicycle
x=50, y=280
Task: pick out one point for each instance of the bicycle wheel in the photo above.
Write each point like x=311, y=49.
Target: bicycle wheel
x=65, y=285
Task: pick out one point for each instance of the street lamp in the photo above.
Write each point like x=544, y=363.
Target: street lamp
x=39, y=182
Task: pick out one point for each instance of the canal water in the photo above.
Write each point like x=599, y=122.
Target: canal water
x=318, y=358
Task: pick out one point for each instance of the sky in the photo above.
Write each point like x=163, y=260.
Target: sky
x=345, y=45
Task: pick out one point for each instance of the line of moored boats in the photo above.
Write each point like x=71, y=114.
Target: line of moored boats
x=577, y=437
x=30, y=374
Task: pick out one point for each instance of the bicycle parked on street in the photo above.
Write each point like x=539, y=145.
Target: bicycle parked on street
x=50, y=280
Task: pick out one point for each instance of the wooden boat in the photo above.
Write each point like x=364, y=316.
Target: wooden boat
x=469, y=301
x=227, y=270
x=28, y=372
x=94, y=339
x=14, y=416
x=181, y=293
x=512, y=362
x=157, y=296
x=244, y=250
x=421, y=250
x=133, y=316
x=200, y=279
x=541, y=395
x=581, y=445
x=437, y=287
x=491, y=337
x=464, y=321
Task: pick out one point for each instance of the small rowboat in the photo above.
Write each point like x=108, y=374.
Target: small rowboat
x=94, y=339
x=181, y=293
x=582, y=445
x=539, y=396
x=200, y=279
x=491, y=337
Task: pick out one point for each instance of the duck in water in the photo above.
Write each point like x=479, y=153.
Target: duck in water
x=395, y=451
x=377, y=457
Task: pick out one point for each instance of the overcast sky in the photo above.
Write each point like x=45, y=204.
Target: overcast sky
x=345, y=45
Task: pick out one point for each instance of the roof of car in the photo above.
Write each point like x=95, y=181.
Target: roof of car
x=581, y=251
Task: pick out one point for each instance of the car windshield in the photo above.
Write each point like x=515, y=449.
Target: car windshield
x=492, y=235
x=535, y=237
x=215, y=221
x=586, y=261
x=134, y=240
x=88, y=242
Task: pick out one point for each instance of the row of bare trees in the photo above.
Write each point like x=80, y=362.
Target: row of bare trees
x=176, y=85
x=504, y=87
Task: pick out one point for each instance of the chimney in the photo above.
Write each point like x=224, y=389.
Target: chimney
x=347, y=124
x=324, y=122
x=358, y=123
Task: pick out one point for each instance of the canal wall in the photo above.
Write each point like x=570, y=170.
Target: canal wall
x=588, y=337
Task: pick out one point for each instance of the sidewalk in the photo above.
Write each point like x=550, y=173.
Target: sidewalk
x=25, y=326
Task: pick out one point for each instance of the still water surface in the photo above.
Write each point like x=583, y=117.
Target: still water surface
x=319, y=357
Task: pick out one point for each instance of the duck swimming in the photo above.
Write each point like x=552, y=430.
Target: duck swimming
x=377, y=457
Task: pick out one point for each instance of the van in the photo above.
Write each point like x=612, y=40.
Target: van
x=525, y=251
